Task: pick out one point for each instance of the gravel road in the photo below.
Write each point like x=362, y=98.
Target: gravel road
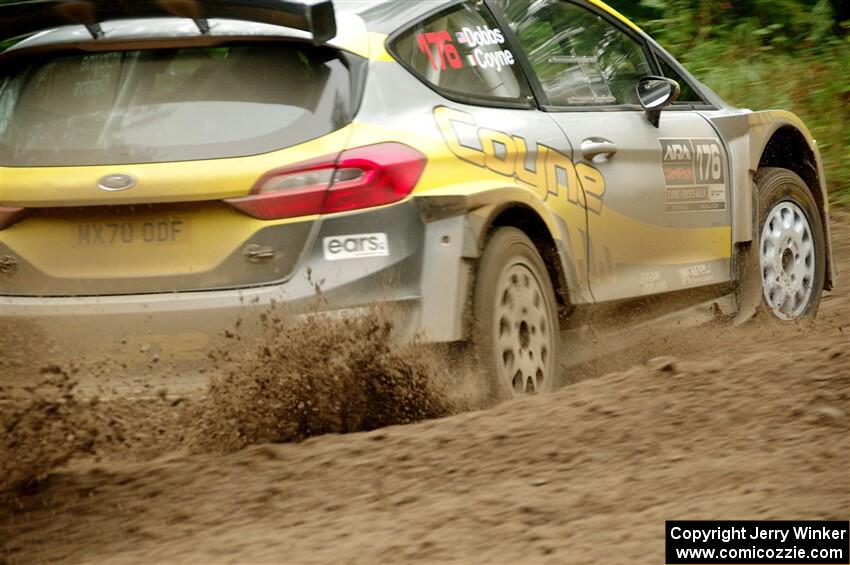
x=721, y=423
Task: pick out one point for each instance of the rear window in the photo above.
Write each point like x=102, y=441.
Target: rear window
x=170, y=105
x=463, y=54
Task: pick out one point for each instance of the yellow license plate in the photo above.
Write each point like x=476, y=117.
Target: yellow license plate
x=161, y=231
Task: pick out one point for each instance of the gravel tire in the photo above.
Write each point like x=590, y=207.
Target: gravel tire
x=789, y=261
x=515, y=327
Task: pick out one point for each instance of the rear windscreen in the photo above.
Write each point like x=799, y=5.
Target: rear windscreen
x=170, y=105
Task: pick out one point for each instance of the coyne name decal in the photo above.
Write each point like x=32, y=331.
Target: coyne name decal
x=551, y=173
x=485, y=45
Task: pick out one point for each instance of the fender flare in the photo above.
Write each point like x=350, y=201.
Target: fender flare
x=763, y=126
x=482, y=208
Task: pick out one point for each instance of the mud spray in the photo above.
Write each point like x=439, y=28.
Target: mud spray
x=43, y=427
x=305, y=376
x=318, y=375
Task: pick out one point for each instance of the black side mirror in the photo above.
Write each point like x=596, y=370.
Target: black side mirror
x=655, y=94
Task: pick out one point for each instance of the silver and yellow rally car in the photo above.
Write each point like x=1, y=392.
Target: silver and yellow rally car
x=489, y=167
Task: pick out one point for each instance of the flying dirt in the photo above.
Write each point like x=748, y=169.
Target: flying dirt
x=706, y=423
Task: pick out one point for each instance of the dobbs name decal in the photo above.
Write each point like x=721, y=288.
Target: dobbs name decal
x=551, y=173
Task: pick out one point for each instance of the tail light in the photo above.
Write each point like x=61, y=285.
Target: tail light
x=10, y=215
x=364, y=177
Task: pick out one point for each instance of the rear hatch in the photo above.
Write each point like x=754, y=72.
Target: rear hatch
x=115, y=166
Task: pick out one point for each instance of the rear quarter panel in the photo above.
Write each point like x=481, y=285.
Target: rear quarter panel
x=398, y=107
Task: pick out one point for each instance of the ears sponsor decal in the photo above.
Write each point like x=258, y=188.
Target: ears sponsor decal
x=546, y=170
x=355, y=246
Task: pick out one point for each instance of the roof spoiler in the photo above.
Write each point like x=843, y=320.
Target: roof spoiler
x=23, y=18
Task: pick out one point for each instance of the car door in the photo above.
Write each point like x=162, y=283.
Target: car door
x=661, y=222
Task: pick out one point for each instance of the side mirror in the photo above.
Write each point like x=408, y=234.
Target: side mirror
x=655, y=94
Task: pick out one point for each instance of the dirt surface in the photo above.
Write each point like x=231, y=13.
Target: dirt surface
x=706, y=423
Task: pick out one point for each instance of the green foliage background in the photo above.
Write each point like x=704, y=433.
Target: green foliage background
x=765, y=54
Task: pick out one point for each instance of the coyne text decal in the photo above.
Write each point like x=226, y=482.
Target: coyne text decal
x=547, y=171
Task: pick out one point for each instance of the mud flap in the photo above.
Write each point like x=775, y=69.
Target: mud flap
x=749, y=290
x=446, y=275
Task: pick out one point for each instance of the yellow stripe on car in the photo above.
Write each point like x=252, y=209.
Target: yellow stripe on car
x=616, y=14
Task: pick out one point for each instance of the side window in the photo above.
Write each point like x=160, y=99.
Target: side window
x=688, y=95
x=461, y=52
x=579, y=57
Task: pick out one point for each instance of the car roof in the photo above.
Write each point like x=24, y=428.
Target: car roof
x=353, y=17
x=389, y=15
x=371, y=15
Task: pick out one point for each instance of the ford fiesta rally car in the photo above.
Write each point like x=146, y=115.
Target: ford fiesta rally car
x=489, y=167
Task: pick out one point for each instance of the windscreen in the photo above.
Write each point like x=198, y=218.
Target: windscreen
x=170, y=105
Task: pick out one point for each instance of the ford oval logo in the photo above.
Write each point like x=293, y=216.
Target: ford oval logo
x=114, y=183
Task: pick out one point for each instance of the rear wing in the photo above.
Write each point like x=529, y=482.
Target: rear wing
x=22, y=18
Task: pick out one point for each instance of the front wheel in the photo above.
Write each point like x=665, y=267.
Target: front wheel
x=792, y=250
x=515, y=330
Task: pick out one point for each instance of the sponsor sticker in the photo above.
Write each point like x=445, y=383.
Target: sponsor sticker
x=694, y=275
x=651, y=282
x=356, y=246
x=694, y=174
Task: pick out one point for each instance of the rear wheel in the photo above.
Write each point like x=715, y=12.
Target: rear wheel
x=791, y=249
x=515, y=329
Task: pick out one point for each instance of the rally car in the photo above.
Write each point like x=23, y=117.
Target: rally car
x=491, y=168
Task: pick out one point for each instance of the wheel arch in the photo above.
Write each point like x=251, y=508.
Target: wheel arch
x=528, y=220
x=781, y=139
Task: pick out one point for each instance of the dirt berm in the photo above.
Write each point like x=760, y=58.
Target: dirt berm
x=748, y=423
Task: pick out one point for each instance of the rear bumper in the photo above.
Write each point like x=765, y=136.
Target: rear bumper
x=422, y=274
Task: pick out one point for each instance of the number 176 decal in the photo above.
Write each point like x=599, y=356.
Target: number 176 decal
x=446, y=52
x=694, y=173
